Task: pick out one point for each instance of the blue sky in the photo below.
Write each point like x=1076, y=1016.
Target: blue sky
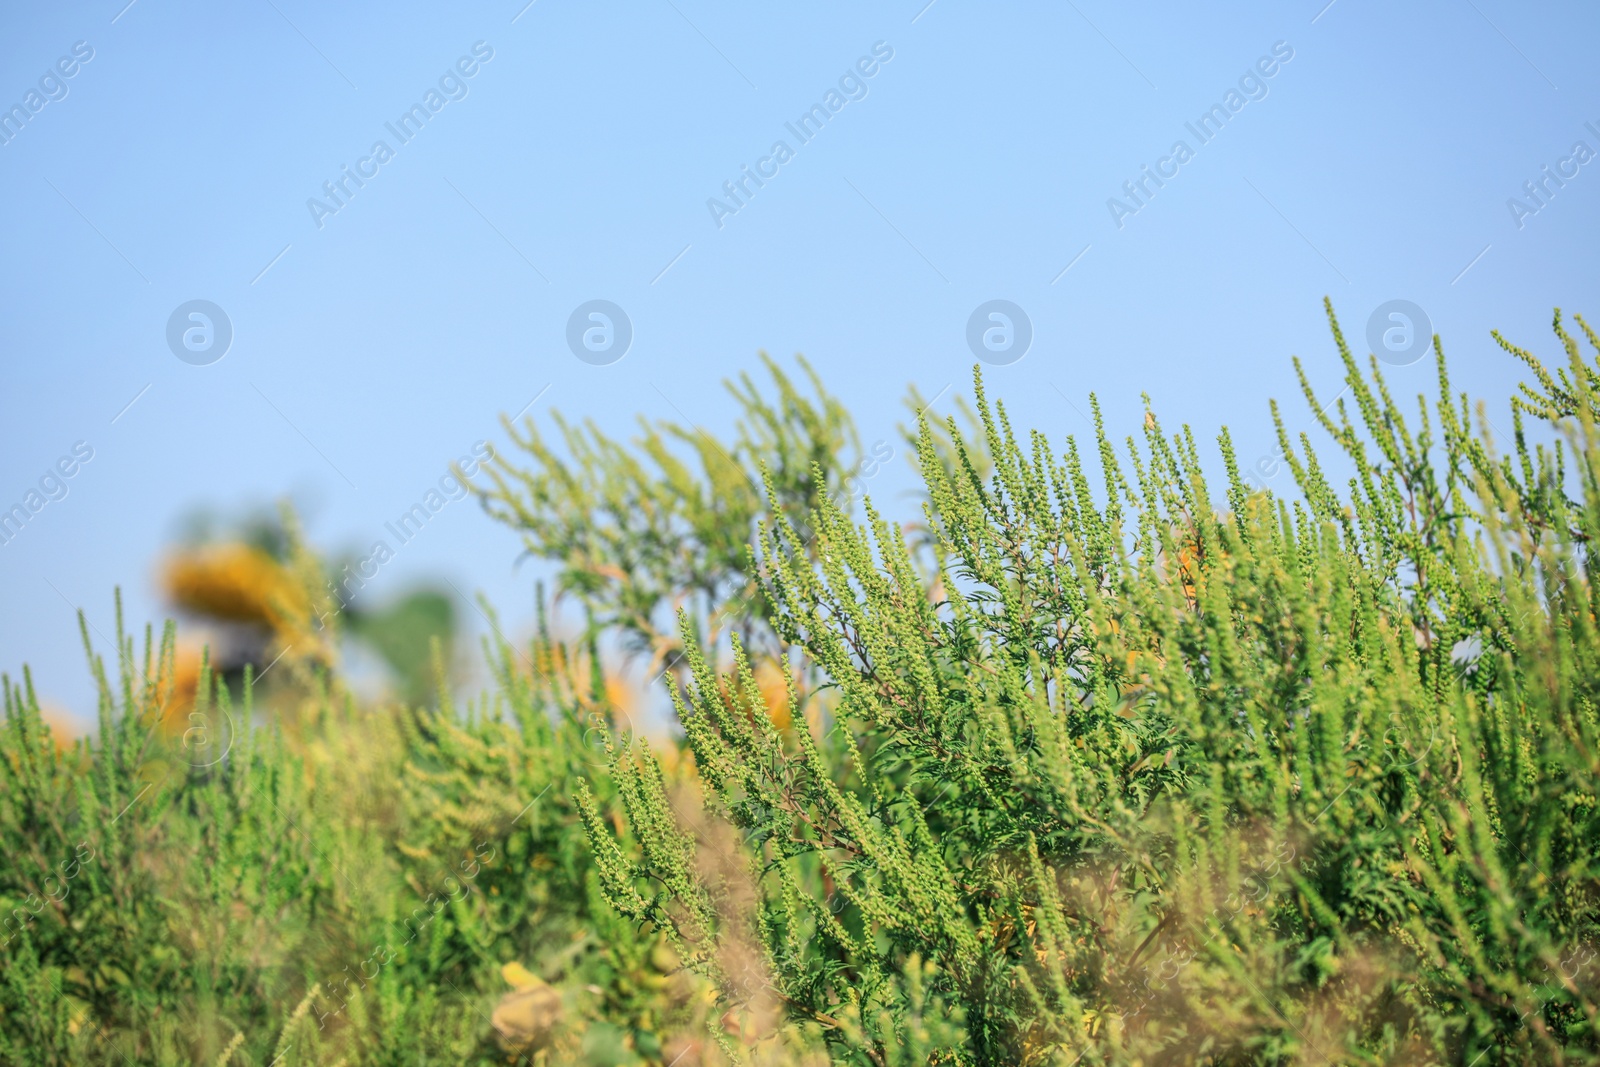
x=576, y=163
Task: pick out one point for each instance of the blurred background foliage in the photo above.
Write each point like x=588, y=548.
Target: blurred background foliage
x=247, y=863
x=254, y=593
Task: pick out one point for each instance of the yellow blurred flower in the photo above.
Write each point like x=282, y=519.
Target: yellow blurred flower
x=237, y=583
x=63, y=731
x=526, y=1017
x=177, y=686
x=774, y=688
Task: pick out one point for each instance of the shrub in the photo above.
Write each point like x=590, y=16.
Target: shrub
x=1127, y=776
x=342, y=884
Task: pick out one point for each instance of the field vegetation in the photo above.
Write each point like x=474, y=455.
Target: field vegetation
x=1092, y=760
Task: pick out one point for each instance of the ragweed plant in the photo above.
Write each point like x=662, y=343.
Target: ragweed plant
x=347, y=891
x=1153, y=776
x=641, y=531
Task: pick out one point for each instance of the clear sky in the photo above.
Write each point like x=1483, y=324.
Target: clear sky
x=377, y=336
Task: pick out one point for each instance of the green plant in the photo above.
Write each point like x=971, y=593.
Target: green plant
x=644, y=531
x=1327, y=760
x=1087, y=766
x=346, y=892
